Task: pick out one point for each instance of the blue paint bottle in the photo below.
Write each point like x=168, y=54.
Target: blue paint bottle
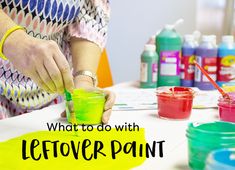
x=187, y=67
x=206, y=57
x=226, y=61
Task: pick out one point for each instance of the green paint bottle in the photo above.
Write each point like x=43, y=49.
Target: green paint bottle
x=169, y=44
x=149, y=67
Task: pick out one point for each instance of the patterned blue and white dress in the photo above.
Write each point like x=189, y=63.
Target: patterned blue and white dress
x=56, y=20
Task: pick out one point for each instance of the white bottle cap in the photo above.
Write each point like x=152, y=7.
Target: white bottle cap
x=149, y=47
x=213, y=39
x=176, y=24
x=189, y=37
x=196, y=34
x=152, y=40
x=158, y=32
x=169, y=27
x=228, y=39
x=206, y=38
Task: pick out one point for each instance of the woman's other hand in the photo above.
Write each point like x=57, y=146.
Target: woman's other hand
x=110, y=98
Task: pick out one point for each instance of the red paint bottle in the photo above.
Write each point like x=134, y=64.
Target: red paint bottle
x=175, y=102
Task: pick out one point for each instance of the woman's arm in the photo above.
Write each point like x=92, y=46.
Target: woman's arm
x=88, y=36
x=85, y=56
x=5, y=22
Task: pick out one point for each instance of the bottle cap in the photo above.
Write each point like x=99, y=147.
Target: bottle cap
x=152, y=40
x=197, y=35
x=149, y=47
x=207, y=38
x=176, y=24
x=189, y=37
x=158, y=32
x=169, y=27
x=228, y=39
x=213, y=39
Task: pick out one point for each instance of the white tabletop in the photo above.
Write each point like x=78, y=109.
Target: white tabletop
x=173, y=132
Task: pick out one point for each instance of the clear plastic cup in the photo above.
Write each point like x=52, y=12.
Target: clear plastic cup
x=227, y=108
x=88, y=106
x=175, y=102
x=207, y=137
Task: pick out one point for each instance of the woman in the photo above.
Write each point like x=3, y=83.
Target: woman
x=59, y=35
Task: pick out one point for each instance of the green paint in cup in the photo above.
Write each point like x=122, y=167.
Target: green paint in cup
x=207, y=137
x=87, y=105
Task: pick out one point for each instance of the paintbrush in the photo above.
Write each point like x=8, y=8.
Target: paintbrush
x=73, y=116
x=223, y=93
x=71, y=111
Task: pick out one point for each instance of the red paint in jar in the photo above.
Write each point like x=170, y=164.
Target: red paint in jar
x=175, y=102
x=227, y=108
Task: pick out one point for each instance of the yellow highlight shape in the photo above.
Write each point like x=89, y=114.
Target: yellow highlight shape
x=11, y=151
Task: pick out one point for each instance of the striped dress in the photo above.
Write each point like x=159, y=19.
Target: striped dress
x=57, y=20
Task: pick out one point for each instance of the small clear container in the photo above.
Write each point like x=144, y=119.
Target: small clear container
x=175, y=102
x=88, y=106
x=227, y=108
x=203, y=138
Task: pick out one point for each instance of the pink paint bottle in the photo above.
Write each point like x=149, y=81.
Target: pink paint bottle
x=227, y=108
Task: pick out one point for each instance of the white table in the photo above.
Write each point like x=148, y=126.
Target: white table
x=173, y=132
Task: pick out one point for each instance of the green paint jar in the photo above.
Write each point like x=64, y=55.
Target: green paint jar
x=88, y=106
x=149, y=67
x=169, y=44
x=207, y=137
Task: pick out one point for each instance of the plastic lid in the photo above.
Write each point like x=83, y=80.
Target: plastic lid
x=176, y=24
x=208, y=38
x=158, y=32
x=189, y=37
x=152, y=40
x=213, y=39
x=149, y=47
x=228, y=39
x=169, y=27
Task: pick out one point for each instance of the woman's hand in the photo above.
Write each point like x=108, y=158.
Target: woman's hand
x=110, y=98
x=41, y=60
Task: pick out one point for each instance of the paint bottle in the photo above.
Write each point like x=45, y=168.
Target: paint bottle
x=187, y=66
x=206, y=57
x=226, y=61
x=149, y=67
x=169, y=44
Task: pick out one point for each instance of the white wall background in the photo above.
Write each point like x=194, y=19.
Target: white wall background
x=133, y=22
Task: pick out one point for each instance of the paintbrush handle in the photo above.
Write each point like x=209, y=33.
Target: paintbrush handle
x=211, y=80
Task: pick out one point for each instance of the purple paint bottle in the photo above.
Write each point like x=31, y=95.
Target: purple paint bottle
x=187, y=67
x=206, y=57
